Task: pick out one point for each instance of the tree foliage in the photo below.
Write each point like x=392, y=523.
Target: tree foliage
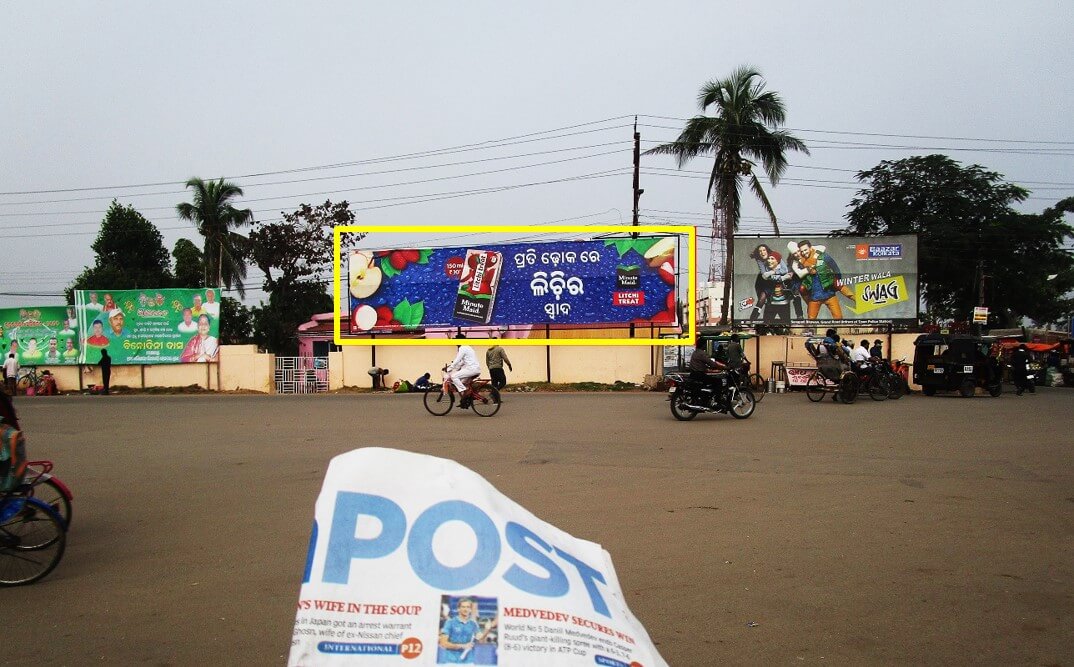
x=744, y=132
x=275, y=324
x=215, y=217
x=189, y=264
x=236, y=322
x=967, y=229
x=130, y=254
x=300, y=247
x=296, y=257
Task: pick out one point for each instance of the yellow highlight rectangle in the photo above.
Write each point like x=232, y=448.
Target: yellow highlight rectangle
x=688, y=230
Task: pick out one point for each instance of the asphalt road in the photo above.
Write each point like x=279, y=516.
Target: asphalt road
x=921, y=531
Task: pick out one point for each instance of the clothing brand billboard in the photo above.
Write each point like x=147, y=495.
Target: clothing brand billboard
x=800, y=279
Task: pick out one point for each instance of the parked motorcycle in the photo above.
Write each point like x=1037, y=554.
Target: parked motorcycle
x=723, y=394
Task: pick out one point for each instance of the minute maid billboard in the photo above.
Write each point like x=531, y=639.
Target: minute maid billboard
x=799, y=279
x=618, y=280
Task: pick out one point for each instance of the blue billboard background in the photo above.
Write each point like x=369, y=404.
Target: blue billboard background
x=607, y=281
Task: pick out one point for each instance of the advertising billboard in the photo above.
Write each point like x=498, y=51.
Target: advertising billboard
x=40, y=335
x=616, y=280
x=803, y=279
x=165, y=326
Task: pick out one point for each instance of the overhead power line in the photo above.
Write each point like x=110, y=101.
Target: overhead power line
x=483, y=145
x=901, y=136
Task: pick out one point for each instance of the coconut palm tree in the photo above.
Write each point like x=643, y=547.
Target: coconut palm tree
x=743, y=133
x=215, y=217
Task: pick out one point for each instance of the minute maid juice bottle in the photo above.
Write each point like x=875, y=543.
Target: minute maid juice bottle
x=477, y=286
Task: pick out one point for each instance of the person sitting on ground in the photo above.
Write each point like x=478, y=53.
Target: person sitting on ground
x=423, y=381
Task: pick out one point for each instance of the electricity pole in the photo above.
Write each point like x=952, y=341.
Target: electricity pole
x=637, y=178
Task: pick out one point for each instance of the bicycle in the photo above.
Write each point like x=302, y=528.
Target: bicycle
x=846, y=390
x=752, y=381
x=485, y=399
x=40, y=483
x=33, y=538
x=28, y=377
x=872, y=379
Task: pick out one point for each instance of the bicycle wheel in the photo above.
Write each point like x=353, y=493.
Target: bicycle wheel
x=758, y=386
x=486, y=401
x=31, y=543
x=895, y=386
x=848, y=388
x=878, y=387
x=815, y=387
x=49, y=492
x=24, y=381
x=439, y=402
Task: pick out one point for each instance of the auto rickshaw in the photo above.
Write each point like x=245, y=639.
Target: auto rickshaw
x=956, y=362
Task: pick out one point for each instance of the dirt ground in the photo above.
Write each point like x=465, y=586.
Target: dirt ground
x=920, y=531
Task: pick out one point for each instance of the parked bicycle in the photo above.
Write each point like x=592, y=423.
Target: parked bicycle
x=753, y=381
x=485, y=399
x=28, y=377
x=895, y=374
x=872, y=379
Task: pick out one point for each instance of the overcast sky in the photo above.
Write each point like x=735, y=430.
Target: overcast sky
x=113, y=95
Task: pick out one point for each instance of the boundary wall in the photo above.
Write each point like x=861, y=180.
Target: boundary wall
x=243, y=368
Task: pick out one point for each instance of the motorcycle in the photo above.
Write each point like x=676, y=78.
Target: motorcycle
x=725, y=393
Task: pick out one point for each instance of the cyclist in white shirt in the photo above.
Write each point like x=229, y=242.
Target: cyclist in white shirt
x=464, y=367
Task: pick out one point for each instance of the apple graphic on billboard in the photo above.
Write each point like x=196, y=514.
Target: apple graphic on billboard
x=365, y=276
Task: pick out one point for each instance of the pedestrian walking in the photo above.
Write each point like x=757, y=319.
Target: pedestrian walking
x=1020, y=370
x=105, y=364
x=11, y=373
x=495, y=358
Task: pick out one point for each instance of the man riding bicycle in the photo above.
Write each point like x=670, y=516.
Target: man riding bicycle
x=464, y=368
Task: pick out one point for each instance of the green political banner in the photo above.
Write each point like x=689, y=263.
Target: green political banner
x=165, y=326
x=40, y=335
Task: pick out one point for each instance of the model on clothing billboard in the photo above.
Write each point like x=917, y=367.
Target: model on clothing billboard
x=615, y=280
x=801, y=279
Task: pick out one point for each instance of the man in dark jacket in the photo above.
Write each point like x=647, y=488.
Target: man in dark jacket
x=1020, y=370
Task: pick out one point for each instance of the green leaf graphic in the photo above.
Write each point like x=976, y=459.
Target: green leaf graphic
x=409, y=314
x=387, y=268
x=424, y=259
x=628, y=267
x=401, y=312
x=622, y=246
x=642, y=245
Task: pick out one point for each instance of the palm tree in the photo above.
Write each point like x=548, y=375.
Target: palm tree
x=214, y=216
x=743, y=132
